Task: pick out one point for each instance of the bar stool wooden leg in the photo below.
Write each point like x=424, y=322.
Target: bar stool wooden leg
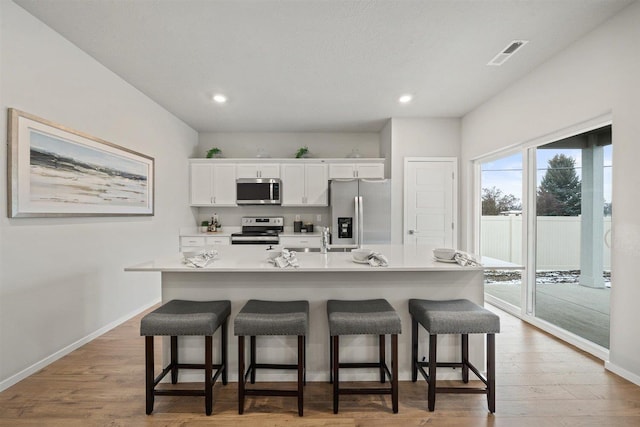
x=491, y=372
x=381, y=351
x=300, y=374
x=241, y=374
x=465, y=358
x=336, y=368
x=304, y=359
x=394, y=372
x=431, y=392
x=224, y=352
x=149, y=372
x=330, y=359
x=252, y=362
x=208, y=372
x=414, y=349
x=174, y=360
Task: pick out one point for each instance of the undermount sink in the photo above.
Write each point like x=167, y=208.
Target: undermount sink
x=318, y=249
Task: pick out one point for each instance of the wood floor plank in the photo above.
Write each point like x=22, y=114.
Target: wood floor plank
x=540, y=382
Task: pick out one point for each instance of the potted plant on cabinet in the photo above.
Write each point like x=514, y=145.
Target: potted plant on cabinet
x=303, y=152
x=215, y=152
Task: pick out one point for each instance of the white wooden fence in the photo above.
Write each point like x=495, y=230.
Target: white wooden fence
x=558, y=241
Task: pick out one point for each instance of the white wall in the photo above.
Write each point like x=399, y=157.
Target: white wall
x=285, y=144
x=62, y=279
x=421, y=137
x=596, y=75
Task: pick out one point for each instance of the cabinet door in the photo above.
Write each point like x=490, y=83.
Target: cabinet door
x=218, y=240
x=224, y=185
x=293, y=191
x=201, y=188
x=269, y=170
x=253, y=170
x=300, y=242
x=247, y=171
x=316, y=185
x=370, y=170
x=341, y=170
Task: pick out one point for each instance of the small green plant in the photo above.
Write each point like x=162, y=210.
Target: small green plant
x=302, y=152
x=214, y=152
x=204, y=224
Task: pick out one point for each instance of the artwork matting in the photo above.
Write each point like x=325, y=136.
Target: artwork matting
x=56, y=171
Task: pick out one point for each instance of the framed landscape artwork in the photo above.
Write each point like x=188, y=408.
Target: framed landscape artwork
x=57, y=171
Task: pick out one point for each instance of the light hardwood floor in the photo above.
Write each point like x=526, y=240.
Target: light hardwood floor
x=540, y=382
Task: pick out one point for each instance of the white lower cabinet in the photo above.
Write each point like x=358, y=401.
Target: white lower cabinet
x=300, y=241
x=197, y=243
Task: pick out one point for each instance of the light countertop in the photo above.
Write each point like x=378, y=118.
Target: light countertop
x=254, y=258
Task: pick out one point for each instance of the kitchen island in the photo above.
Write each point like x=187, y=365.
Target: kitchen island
x=243, y=272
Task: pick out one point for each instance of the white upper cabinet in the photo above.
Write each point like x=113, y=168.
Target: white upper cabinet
x=213, y=184
x=258, y=170
x=305, y=184
x=356, y=170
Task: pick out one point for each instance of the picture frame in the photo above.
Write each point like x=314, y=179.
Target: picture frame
x=55, y=171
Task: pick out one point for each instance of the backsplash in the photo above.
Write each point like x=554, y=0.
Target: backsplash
x=230, y=216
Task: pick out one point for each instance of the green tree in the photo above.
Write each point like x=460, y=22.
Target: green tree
x=559, y=193
x=494, y=201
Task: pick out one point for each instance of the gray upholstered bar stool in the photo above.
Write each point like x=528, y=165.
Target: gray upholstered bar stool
x=462, y=317
x=180, y=318
x=270, y=318
x=364, y=317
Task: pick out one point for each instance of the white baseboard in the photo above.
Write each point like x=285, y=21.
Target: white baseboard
x=68, y=349
x=627, y=375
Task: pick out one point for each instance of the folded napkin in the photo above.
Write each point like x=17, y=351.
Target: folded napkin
x=376, y=259
x=466, y=259
x=201, y=259
x=286, y=259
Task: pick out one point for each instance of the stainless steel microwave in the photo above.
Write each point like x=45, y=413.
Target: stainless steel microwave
x=258, y=191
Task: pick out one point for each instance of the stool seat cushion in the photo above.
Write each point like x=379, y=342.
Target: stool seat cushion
x=180, y=317
x=362, y=317
x=459, y=316
x=272, y=318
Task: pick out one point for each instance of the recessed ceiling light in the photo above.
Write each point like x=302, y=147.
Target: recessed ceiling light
x=219, y=98
x=405, y=99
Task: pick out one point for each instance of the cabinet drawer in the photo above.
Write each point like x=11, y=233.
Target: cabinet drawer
x=217, y=240
x=192, y=241
x=300, y=241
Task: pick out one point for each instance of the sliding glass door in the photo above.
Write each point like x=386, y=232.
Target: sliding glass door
x=564, y=228
x=573, y=222
x=501, y=225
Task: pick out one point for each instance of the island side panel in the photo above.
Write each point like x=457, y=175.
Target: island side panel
x=317, y=288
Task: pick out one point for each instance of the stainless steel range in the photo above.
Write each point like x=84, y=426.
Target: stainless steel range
x=259, y=231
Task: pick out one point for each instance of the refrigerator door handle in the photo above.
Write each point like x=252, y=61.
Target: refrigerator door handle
x=356, y=234
x=361, y=223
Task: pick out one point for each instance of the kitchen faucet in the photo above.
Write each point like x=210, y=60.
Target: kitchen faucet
x=324, y=240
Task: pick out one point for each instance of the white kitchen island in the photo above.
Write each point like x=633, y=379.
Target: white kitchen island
x=242, y=272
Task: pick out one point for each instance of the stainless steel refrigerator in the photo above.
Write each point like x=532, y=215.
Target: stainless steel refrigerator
x=360, y=212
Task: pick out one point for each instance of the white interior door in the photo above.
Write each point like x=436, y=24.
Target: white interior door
x=430, y=201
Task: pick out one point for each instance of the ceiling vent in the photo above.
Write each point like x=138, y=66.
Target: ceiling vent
x=507, y=52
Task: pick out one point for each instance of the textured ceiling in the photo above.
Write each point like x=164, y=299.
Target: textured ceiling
x=318, y=65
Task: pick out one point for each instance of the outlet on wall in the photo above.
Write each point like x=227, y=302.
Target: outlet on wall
x=297, y=217
x=318, y=218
